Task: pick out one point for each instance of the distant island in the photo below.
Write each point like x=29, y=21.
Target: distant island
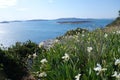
x=4, y=22
x=73, y=22
x=10, y=21
x=59, y=20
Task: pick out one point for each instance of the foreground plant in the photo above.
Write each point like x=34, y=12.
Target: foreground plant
x=117, y=62
x=66, y=57
x=77, y=77
x=116, y=75
x=99, y=69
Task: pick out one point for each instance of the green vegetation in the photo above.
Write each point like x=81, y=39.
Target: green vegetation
x=78, y=55
x=73, y=32
x=119, y=13
x=14, y=60
x=115, y=23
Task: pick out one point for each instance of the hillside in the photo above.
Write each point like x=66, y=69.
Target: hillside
x=115, y=23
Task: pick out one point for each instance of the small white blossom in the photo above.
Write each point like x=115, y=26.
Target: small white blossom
x=56, y=41
x=66, y=57
x=114, y=32
x=43, y=61
x=89, y=49
x=117, y=61
x=41, y=44
x=83, y=31
x=77, y=77
x=105, y=35
x=118, y=32
x=43, y=74
x=78, y=40
x=116, y=74
x=34, y=55
x=99, y=69
x=83, y=35
x=29, y=56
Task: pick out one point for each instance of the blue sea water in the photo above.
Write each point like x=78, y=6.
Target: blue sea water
x=38, y=31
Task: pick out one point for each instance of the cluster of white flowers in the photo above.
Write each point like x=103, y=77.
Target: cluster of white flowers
x=117, y=61
x=43, y=74
x=56, y=41
x=117, y=32
x=89, y=49
x=116, y=75
x=99, y=69
x=77, y=77
x=66, y=57
x=43, y=61
x=75, y=37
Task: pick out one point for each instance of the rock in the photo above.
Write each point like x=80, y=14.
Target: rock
x=28, y=77
x=48, y=43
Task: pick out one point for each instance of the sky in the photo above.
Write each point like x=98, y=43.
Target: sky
x=53, y=9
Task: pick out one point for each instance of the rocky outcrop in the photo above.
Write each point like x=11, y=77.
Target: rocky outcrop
x=48, y=43
x=28, y=77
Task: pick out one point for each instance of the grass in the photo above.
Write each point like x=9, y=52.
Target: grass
x=84, y=51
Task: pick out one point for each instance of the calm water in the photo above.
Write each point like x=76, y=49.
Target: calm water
x=38, y=31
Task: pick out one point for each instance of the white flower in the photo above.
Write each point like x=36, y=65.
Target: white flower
x=83, y=35
x=83, y=31
x=41, y=44
x=117, y=61
x=77, y=77
x=116, y=74
x=99, y=69
x=113, y=32
x=43, y=74
x=56, y=40
x=29, y=56
x=66, y=57
x=105, y=35
x=43, y=61
x=118, y=32
x=89, y=49
x=78, y=40
x=34, y=55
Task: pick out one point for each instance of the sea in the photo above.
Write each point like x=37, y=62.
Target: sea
x=42, y=30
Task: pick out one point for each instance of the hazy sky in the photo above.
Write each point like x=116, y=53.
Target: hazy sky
x=52, y=9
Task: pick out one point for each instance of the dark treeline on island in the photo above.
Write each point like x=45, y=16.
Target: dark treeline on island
x=73, y=22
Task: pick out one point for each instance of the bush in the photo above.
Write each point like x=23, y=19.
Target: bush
x=15, y=59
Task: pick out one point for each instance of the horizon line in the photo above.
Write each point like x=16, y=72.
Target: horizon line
x=52, y=19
